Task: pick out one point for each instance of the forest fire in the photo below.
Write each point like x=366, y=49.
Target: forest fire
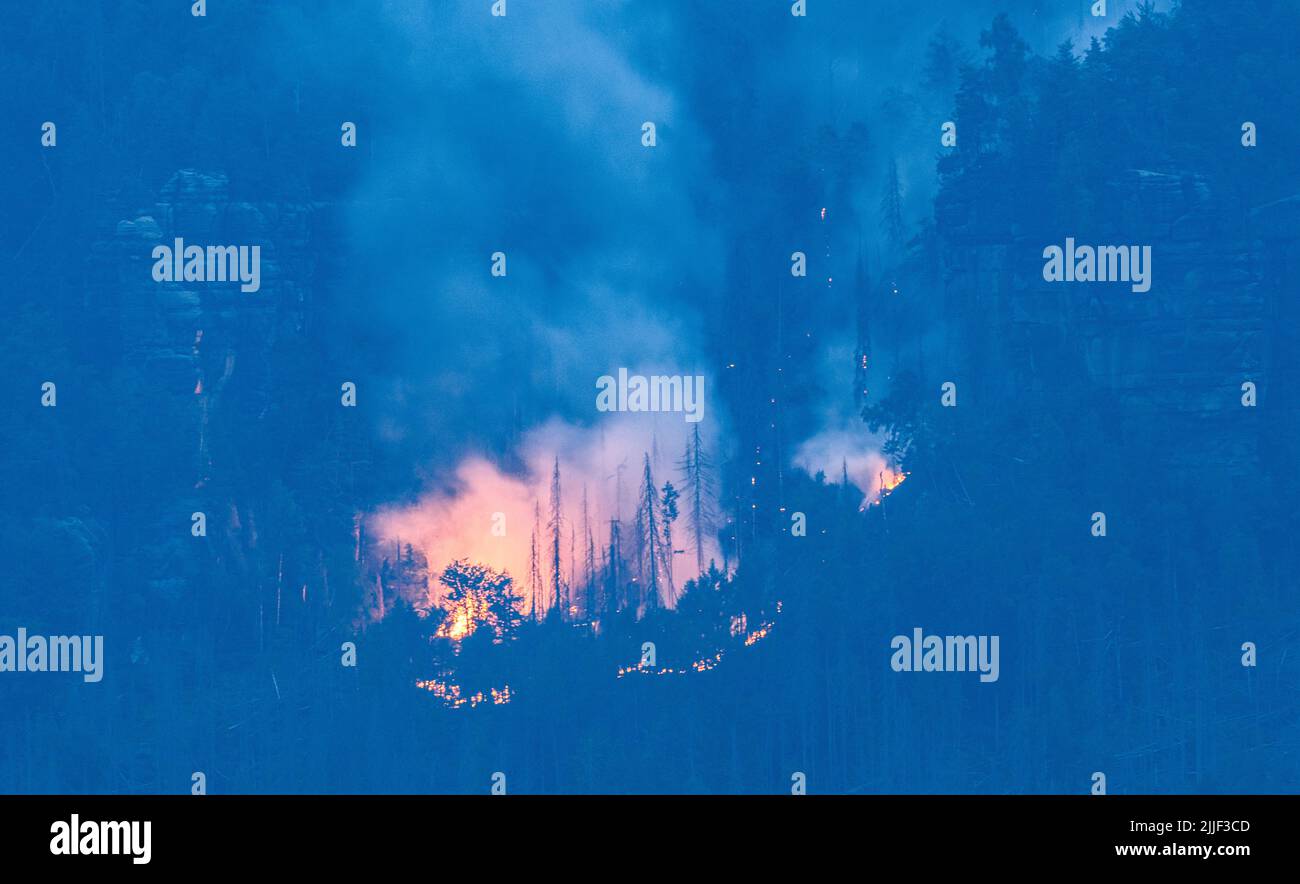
x=704, y=664
x=854, y=457
x=887, y=480
x=759, y=634
x=737, y=628
x=556, y=524
x=454, y=697
x=592, y=525
x=461, y=624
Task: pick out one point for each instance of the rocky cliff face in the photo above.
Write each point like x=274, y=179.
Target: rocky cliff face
x=204, y=377
x=189, y=339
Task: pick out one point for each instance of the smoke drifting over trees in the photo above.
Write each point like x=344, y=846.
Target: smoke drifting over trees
x=912, y=435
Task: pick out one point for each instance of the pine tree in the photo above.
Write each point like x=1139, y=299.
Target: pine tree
x=944, y=59
x=573, y=586
x=589, y=575
x=614, y=574
x=698, y=478
x=553, y=526
x=647, y=526
x=534, y=569
x=638, y=542
x=668, y=515
x=891, y=207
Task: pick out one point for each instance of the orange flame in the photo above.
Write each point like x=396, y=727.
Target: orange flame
x=887, y=480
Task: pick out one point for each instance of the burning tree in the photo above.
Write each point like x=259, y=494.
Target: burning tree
x=479, y=596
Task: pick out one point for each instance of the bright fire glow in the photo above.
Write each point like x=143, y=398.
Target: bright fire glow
x=454, y=697
x=459, y=624
x=851, y=450
x=458, y=521
x=888, y=480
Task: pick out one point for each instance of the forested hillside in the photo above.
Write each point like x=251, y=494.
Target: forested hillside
x=672, y=629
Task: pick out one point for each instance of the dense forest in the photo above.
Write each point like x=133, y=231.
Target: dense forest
x=726, y=622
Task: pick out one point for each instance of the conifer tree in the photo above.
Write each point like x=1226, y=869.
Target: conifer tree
x=553, y=526
x=697, y=472
x=891, y=207
x=589, y=559
x=648, y=528
x=534, y=569
x=614, y=573
x=668, y=515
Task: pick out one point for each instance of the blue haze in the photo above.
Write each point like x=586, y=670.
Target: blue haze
x=1120, y=654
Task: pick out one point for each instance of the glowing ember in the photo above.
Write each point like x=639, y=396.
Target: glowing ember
x=702, y=665
x=738, y=627
x=888, y=479
x=758, y=635
x=454, y=698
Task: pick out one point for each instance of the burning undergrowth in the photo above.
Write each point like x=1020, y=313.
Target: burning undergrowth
x=603, y=538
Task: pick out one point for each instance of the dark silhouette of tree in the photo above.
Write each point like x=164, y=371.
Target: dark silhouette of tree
x=614, y=572
x=647, y=523
x=668, y=515
x=944, y=59
x=536, y=607
x=554, y=526
x=589, y=561
x=697, y=471
x=891, y=207
x=483, y=597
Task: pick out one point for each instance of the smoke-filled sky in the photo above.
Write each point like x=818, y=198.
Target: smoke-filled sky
x=523, y=135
